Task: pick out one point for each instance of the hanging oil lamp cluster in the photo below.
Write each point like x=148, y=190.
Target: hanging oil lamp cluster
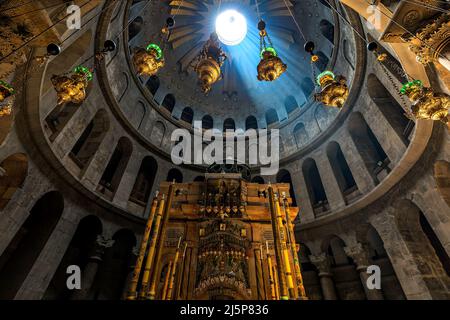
x=426, y=104
x=72, y=88
x=271, y=67
x=333, y=89
x=150, y=60
x=209, y=62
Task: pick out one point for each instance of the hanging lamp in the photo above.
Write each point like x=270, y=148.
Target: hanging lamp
x=333, y=89
x=6, y=90
x=426, y=103
x=271, y=67
x=209, y=62
x=149, y=61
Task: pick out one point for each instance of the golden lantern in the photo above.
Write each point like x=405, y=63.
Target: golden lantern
x=271, y=67
x=334, y=91
x=427, y=105
x=148, y=61
x=209, y=63
x=72, y=88
x=6, y=90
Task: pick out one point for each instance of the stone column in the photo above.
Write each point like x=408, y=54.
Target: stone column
x=90, y=271
x=326, y=277
x=359, y=255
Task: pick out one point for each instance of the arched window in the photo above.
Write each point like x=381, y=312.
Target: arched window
x=153, y=84
x=187, y=115
x=251, y=123
x=315, y=187
x=207, y=122
x=14, y=171
x=135, y=27
x=90, y=140
x=342, y=171
x=327, y=30
x=369, y=148
x=284, y=176
x=113, y=173
x=169, y=102
x=307, y=86
x=175, y=175
x=290, y=104
x=389, y=107
x=158, y=132
x=229, y=124
x=144, y=181
x=78, y=253
x=23, y=250
x=271, y=117
x=300, y=135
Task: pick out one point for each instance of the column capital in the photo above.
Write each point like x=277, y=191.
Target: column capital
x=359, y=255
x=322, y=263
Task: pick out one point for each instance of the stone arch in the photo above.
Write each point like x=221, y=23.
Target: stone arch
x=199, y=179
x=342, y=172
x=91, y=138
x=314, y=186
x=425, y=248
x=77, y=253
x=301, y=136
x=112, y=175
x=13, y=172
x=169, y=102
x=368, y=146
x=229, y=124
x=307, y=86
x=111, y=278
x=310, y=274
x=144, y=181
x=24, y=249
x=284, y=176
x=174, y=175
x=158, y=133
x=135, y=27
x=251, y=123
x=346, y=278
x=442, y=178
x=271, y=117
x=390, y=286
x=389, y=107
x=187, y=115
x=327, y=30
x=153, y=84
x=207, y=122
x=290, y=104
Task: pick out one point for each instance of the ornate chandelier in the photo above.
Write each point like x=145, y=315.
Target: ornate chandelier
x=426, y=104
x=271, y=67
x=72, y=88
x=148, y=61
x=333, y=89
x=209, y=63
